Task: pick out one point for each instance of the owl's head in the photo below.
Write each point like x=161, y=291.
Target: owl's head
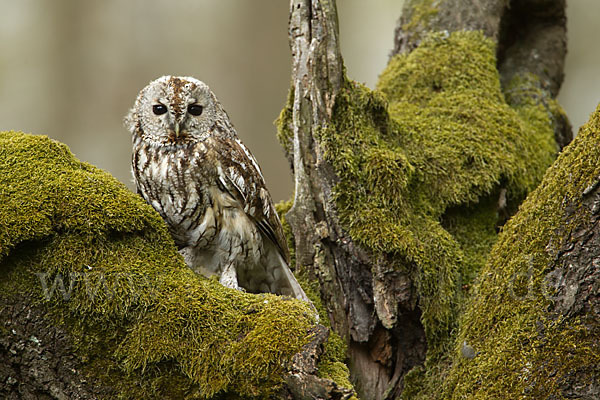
x=172, y=110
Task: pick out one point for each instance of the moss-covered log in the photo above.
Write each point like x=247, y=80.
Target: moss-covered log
x=400, y=191
x=96, y=302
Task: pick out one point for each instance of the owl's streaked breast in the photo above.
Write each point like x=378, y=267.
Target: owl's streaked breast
x=172, y=182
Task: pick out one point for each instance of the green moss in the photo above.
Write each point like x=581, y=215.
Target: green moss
x=331, y=364
x=333, y=361
x=526, y=351
x=455, y=141
x=525, y=93
x=475, y=229
x=422, y=159
x=130, y=302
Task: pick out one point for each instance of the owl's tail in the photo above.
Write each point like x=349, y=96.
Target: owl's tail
x=289, y=282
x=280, y=279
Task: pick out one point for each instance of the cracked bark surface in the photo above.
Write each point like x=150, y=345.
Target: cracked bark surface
x=342, y=267
x=576, y=285
x=37, y=359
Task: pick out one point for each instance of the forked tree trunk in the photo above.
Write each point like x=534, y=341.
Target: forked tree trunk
x=356, y=283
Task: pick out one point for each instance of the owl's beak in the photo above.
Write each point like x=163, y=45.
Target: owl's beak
x=176, y=129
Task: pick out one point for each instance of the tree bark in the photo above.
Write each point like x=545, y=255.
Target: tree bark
x=96, y=302
x=542, y=281
x=37, y=358
x=323, y=247
x=576, y=282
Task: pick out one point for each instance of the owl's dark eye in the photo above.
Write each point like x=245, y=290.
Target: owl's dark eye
x=195, y=109
x=159, y=109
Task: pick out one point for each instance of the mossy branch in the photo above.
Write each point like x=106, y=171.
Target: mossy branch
x=530, y=37
x=96, y=302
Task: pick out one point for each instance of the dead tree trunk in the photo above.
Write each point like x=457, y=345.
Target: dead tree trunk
x=322, y=245
x=369, y=302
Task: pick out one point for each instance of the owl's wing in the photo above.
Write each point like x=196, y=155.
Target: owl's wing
x=242, y=178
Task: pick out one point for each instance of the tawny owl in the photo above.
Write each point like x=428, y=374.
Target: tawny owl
x=190, y=165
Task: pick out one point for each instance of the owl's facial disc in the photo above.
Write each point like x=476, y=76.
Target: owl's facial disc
x=186, y=116
x=174, y=110
x=175, y=115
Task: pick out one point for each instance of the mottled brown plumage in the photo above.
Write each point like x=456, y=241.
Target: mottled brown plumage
x=189, y=164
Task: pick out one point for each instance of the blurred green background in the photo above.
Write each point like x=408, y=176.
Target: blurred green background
x=71, y=69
